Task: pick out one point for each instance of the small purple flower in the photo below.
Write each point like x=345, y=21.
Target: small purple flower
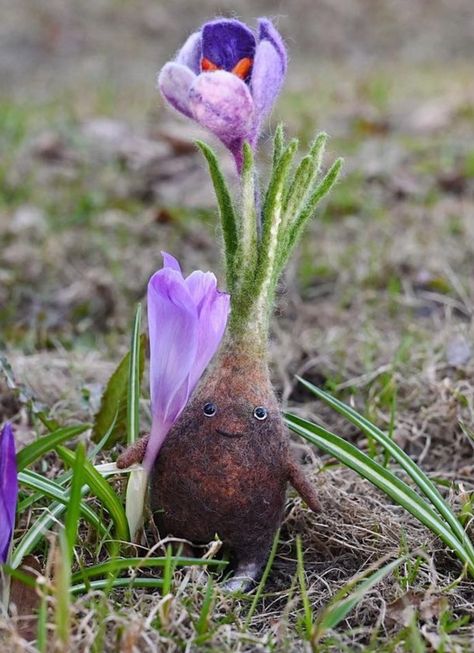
x=226, y=80
x=8, y=489
x=186, y=322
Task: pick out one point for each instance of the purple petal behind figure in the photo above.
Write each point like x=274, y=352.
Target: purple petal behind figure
x=227, y=80
x=186, y=323
x=8, y=489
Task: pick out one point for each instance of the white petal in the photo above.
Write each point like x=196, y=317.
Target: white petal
x=135, y=500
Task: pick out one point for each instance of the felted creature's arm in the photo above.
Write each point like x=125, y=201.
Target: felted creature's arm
x=133, y=454
x=302, y=485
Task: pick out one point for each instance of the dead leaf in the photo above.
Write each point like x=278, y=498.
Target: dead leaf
x=428, y=606
x=26, y=599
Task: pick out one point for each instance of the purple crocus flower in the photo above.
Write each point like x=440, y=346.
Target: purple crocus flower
x=186, y=322
x=8, y=489
x=227, y=80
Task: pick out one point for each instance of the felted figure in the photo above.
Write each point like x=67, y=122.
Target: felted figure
x=224, y=464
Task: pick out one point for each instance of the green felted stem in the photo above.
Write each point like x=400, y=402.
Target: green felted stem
x=305, y=178
x=247, y=253
x=226, y=212
x=255, y=257
x=271, y=235
x=278, y=145
x=295, y=229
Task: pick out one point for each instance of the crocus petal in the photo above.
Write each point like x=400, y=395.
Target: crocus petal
x=213, y=309
x=158, y=433
x=169, y=261
x=200, y=285
x=173, y=328
x=267, y=32
x=222, y=103
x=8, y=489
x=191, y=53
x=227, y=41
x=135, y=500
x=269, y=69
x=186, y=322
x=212, y=322
x=174, y=82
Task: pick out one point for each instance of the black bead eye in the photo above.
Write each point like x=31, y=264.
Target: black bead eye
x=209, y=409
x=260, y=413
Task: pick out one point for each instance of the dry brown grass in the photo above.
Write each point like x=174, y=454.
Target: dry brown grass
x=378, y=304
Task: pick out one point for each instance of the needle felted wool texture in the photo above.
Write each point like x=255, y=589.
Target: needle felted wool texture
x=224, y=465
x=225, y=474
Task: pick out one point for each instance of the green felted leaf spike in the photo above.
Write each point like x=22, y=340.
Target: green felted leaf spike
x=259, y=241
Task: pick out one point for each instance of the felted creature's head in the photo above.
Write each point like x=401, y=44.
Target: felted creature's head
x=235, y=399
x=234, y=417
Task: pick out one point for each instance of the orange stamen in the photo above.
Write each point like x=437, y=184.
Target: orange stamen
x=242, y=67
x=208, y=66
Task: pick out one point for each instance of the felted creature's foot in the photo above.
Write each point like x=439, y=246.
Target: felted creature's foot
x=244, y=579
x=303, y=485
x=133, y=454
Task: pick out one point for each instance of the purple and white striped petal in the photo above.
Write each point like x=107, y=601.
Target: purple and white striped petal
x=222, y=103
x=8, y=489
x=225, y=81
x=269, y=69
x=267, y=32
x=191, y=53
x=174, y=82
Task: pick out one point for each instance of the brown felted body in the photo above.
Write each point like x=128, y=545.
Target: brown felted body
x=226, y=474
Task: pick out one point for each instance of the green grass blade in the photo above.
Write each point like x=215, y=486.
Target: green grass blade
x=31, y=538
x=102, y=490
x=116, y=565
x=154, y=583
x=42, y=626
x=62, y=587
x=168, y=571
x=67, y=475
x=75, y=495
x=382, y=478
x=53, y=490
x=308, y=611
x=47, y=443
x=263, y=580
x=202, y=624
x=338, y=609
x=425, y=485
x=134, y=378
